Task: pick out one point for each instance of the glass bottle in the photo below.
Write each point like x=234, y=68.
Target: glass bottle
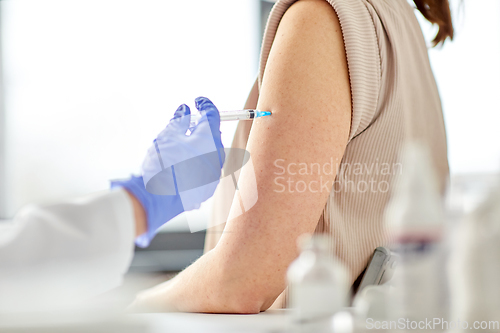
x=317, y=282
x=415, y=220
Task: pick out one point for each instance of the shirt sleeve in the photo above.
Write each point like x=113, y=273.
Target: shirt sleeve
x=363, y=59
x=62, y=254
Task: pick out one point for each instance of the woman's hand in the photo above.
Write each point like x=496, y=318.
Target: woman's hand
x=156, y=299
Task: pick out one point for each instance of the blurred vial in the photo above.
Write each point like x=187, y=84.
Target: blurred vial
x=474, y=268
x=415, y=220
x=317, y=282
x=371, y=309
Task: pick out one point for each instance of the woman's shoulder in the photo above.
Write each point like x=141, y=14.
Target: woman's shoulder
x=312, y=5
x=311, y=24
x=310, y=13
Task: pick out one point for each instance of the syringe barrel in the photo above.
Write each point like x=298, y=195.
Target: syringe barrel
x=227, y=116
x=237, y=115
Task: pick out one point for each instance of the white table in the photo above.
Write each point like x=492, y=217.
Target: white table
x=272, y=321
x=269, y=321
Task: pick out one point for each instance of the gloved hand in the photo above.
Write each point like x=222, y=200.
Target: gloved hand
x=180, y=171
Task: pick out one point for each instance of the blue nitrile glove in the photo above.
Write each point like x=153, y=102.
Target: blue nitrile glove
x=180, y=171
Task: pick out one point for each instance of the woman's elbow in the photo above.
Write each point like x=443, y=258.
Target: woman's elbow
x=246, y=307
x=248, y=301
x=251, y=306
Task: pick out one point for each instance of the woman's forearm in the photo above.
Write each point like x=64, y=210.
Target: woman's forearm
x=203, y=287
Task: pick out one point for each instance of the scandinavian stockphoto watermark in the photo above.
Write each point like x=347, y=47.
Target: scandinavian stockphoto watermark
x=334, y=176
x=430, y=324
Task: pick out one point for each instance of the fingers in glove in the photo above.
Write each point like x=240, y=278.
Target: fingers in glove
x=180, y=121
x=206, y=107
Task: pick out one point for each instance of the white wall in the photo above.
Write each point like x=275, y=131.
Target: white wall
x=90, y=83
x=468, y=75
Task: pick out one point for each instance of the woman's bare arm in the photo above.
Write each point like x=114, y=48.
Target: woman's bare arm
x=306, y=86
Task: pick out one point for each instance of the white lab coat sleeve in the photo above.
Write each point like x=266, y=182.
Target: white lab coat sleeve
x=60, y=254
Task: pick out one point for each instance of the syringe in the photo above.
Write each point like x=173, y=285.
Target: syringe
x=233, y=115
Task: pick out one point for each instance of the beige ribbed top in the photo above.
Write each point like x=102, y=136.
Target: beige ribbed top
x=394, y=99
